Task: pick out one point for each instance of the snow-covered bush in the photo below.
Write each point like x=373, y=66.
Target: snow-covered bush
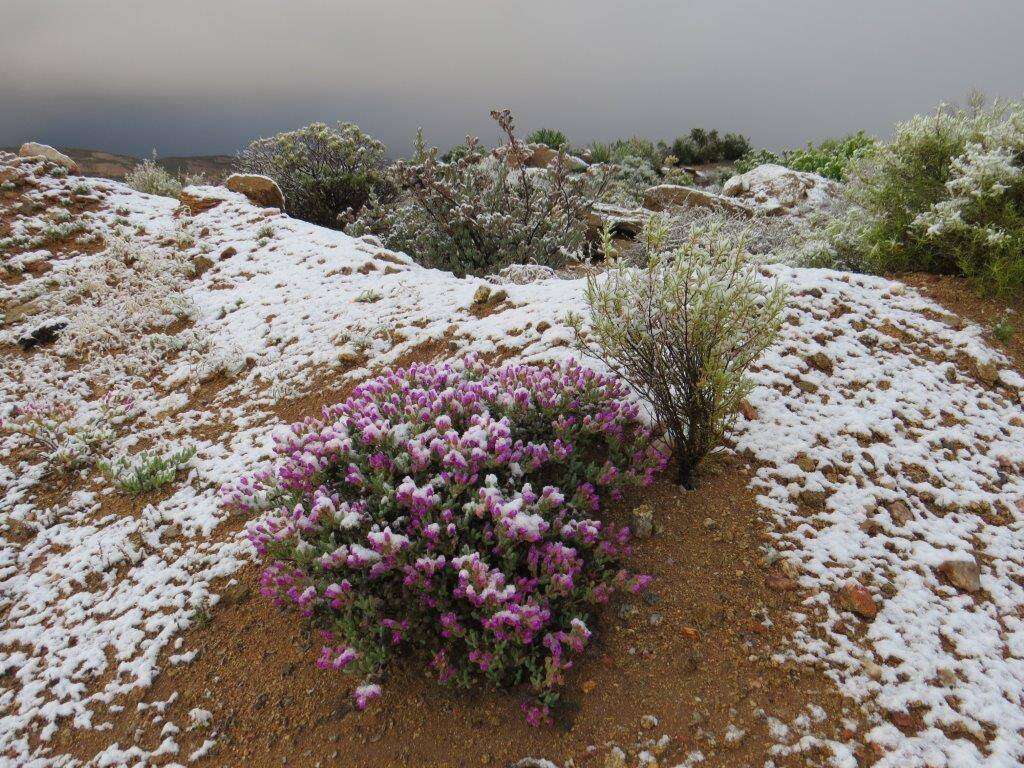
x=484, y=210
x=455, y=511
x=322, y=171
x=682, y=330
x=150, y=178
x=113, y=297
x=945, y=195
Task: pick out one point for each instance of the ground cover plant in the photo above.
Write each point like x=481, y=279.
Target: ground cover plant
x=946, y=195
x=454, y=513
x=682, y=329
x=484, y=210
x=322, y=171
x=147, y=472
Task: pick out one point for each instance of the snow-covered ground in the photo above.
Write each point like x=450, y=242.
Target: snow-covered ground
x=889, y=441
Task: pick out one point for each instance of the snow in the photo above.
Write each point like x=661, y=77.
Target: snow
x=90, y=594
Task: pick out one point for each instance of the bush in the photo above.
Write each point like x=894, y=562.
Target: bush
x=150, y=178
x=486, y=210
x=682, y=330
x=148, y=472
x=833, y=157
x=946, y=195
x=752, y=159
x=322, y=171
x=701, y=146
x=453, y=513
x=550, y=137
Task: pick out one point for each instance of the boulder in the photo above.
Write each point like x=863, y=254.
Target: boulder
x=779, y=191
x=625, y=222
x=34, y=149
x=678, y=196
x=542, y=156
x=261, y=190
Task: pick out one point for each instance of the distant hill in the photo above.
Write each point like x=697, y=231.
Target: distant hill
x=94, y=162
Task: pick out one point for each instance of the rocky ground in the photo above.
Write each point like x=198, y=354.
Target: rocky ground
x=108, y=165
x=845, y=588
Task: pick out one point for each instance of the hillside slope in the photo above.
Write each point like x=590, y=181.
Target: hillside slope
x=882, y=453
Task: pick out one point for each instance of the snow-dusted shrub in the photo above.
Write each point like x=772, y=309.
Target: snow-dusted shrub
x=945, y=195
x=113, y=297
x=703, y=146
x=322, y=171
x=484, y=211
x=61, y=436
x=146, y=472
x=454, y=513
x=832, y=158
x=152, y=179
x=682, y=330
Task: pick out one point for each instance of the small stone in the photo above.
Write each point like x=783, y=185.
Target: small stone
x=710, y=523
x=656, y=619
x=806, y=463
x=900, y=512
x=749, y=412
x=588, y=686
x=987, y=372
x=627, y=611
x=813, y=499
x=482, y=294
x=963, y=572
x=542, y=326
x=228, y=252
x=858, y=599
x=649, y=722
x=615, y=758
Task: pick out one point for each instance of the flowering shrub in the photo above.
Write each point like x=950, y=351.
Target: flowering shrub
x=455, y=513
x=945, y=195
x=482, y=211
x=682, y=329
x=322, y=171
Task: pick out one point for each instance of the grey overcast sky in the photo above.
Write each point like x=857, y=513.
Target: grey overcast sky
x=197, y=77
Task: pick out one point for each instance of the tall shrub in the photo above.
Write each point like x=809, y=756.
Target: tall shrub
x=682, y=330
x=484, y=210
x=454, y=513
x=322, y=171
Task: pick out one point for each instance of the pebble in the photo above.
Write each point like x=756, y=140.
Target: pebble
x=656, y=619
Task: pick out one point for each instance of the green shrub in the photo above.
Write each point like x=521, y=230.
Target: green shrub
x=754, y=158
x=486, y=210
x=322, y=171
x=946, y=195
x=701, y=146
x=150, y=178
x=600, y=152
x=682, y=329
x=148, y=472
x=550, y=137
x=831, y=158
x=456, y=153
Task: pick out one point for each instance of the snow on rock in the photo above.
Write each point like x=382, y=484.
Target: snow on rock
x=881, y=456
x=777, y=190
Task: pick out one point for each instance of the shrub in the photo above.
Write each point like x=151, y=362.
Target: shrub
x=61, y=436
x=946, y=195
x=322, y=171
x=600, y=152
x=148, y=472
x=453, y=513
x=752, y=159
x=485, y=210
x=701, y=146
x=550, y=137
x=831, y=158
x=150, y=178
x=682, y=330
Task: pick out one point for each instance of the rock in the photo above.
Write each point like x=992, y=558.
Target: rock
x=481, y=295
x=34, y=149
x=900, y=512
x=987, y=371
x=261, y=190
x=749, y=412
x=656, y=620
x=533, y=762
x=649, y=722
x=776, y=190
x=675, y=195
x=813, y=499
x=542, y=156
x=624, y=222
x=21, y=311
x=228, y=252
x=197, y=203
x=858, y=599
x=641, y=521
x=615, y=758
x=42, y=333
x=963, y=572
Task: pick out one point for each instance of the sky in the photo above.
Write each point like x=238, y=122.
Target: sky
x=186, y=77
